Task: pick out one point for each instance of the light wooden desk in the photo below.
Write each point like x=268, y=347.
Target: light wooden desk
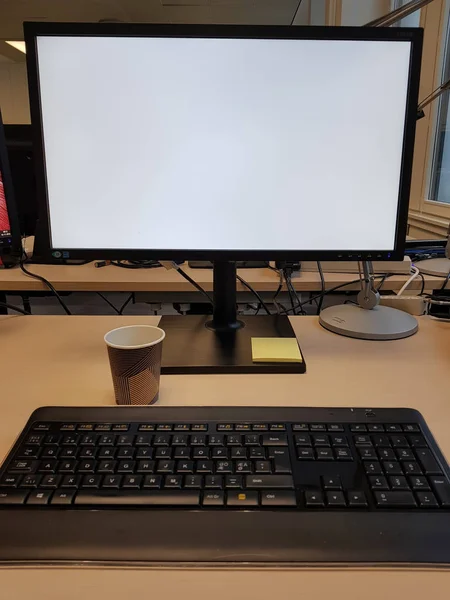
x=62, y=360
x=87, y=278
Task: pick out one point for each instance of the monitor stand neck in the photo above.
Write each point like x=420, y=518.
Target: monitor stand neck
x=368, y=298
x=225, y=311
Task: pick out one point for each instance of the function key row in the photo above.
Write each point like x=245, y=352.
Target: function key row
x=358, y=427
x=251, y=427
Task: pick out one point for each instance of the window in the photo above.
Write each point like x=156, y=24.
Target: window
x=412, y=20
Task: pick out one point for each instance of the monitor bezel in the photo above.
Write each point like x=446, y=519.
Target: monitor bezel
x=10, y=244
x=413, y=35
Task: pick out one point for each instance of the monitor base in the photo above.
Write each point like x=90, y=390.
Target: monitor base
x=438, y=267
x=379, y=323
x=192, y=348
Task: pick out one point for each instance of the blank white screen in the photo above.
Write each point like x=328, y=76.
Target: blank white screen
x=156, y=143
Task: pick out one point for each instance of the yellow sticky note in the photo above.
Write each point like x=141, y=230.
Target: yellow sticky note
x=276, y=350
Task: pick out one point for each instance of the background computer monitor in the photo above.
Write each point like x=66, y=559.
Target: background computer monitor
x=221, y=142
x=9, y=226
x=20, y=152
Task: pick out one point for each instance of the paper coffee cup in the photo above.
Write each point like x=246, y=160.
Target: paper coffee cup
x=135, y=355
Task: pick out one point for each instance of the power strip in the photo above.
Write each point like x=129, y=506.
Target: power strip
x=414, y=305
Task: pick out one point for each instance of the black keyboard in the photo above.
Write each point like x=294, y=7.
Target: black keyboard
x=186, y=461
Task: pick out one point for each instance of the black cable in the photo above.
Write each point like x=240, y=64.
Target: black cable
x=291, y=296
x=333, y=289
x=125, y=304
x=134, y=264
x=295, y=295
x=254, y=292
x=422, y=288
x=322, y=282
x=108, y=302
x=195, y=284
x=47, y=283
x=444, y=285
x=295, y=14
x=16, y=308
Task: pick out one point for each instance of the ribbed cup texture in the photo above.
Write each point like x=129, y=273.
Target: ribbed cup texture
x=135, y=374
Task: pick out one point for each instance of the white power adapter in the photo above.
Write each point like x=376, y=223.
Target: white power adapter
x=414, y=305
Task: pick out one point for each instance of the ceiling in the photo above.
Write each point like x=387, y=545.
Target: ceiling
x=274, y=12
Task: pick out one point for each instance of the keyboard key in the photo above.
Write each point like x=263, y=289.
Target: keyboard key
x=441, y=488
x=278, y=498
x=274, y=439
x=216, y=440
x=244, y=466
x=13, y=496
x=367, y=453
x=21, y=466
x=260, y=427
x=338, y=440
x=362, y=440
x=213, y=499
x=163, y=466
x=300, y=427
x=103, y=427
x=324, y=454
x=412, y=468
x=173, y=481
x=125, y=452
x=427, y=461
x=373, y=468
x=85, y=427
x=182, y=452
x=417, y=441
x=317, y=427
x=395, y=499
x=419, y=483
x=243, y=427
x=280, y=459
x=68, y=427
x=234, y=481
x=180, y=440
x=224, y=466
x=89, y=481
x=147, y=466
x=87, y=466
x=214, y=482
x=219, y=453
x=378, y=482
x=375, y=427
x=335, y=499
x=225, y=427
x=47, y=466
x=404, y=454
x=31, y=481
x=302, y=440
x=200, y=440
x=71, y=481
x=132, y=481
x=201, y=453
x=108, y=466
x=120, y=427
x=199, y=427
x=143, y=440
x=261, y=452
x=251, y=440
x=320, y=440
x=62, y=497
x=391, y=428
x=185, y=466
x=335, y=427
x=261, y=466
x=29, y=452
x=193, y=481
x=88, y=440
x=10, y=480
x=358, y=428
x=269, y=482
x=126, y=466
x=305, y=454
x=39, y=497
x=125, y=440
x=112, y=481
x=69, y=452
x=50, y=452
x=242, y=499
x=163, y=452
x=146, y=427
x=88, y=452
x=343, y=454
x=182, y=427
x=399, y=483
x=138, y=498
x=427, y=500
x=34, y=440
x=411, y=428
x=238, y=452
x=356, y=499
x=331, y=483
x=381, y=441
x=107, y=440
x=205, y=466
x=392, y=468
x=314, y=499
x=386, y=454
x=162, y=440
x=277, y=427
x=152, y=482
x=50, y=481
x=41, y=426
x=399, y=441
x=234, y=440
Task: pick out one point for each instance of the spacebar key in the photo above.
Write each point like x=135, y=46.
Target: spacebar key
x=144, y=498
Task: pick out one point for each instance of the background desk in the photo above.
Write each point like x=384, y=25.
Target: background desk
x=62, y=360
x=87, y=278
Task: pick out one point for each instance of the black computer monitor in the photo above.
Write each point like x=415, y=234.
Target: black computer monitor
x=223, y=143
x=9, y=225
x=20, y=152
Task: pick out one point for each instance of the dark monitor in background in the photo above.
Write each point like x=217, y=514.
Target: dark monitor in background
x=20, y=151
x=223, y=143
x=9, y=225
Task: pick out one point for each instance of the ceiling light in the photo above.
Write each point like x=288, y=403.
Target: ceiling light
x=18, y=46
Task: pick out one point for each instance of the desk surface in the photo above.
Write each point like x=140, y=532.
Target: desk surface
x=87, y=278
x=62, y=360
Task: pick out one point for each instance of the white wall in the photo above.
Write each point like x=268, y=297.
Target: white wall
x=14, y=101
x=358, y=12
